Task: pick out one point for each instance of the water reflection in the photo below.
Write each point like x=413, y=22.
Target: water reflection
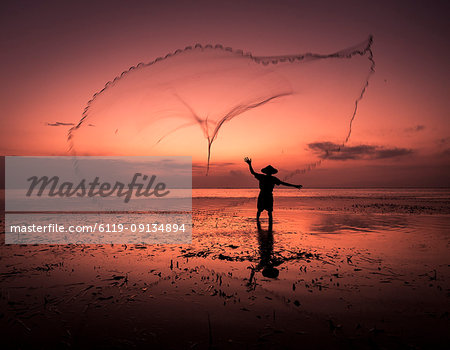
x=267, y=262
x=337, y=223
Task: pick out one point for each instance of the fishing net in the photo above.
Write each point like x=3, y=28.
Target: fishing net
x=218, y=104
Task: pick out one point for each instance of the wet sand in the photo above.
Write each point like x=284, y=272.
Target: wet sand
x=354, y=272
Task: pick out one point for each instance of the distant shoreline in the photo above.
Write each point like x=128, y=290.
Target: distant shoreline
x=333, y=188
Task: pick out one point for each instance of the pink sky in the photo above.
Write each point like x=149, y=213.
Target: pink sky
x=55, y=56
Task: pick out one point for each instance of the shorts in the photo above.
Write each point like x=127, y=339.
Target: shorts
x=265, y=202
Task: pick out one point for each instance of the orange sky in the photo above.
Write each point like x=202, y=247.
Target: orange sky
x=56, y=56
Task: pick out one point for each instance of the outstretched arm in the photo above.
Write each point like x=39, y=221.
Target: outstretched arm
x=249, y=162
x=290, y=185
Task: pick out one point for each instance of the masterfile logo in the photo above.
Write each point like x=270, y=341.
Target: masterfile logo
x=96, y=188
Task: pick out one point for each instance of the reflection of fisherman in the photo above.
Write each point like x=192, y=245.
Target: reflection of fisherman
x=266, y=184
x=267, y=263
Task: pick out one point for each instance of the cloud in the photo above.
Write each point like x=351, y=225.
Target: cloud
x=237, y=173
x=59, y=124
x=329, y=150
x=416, y=128
x=212, y=165
x=443, y=141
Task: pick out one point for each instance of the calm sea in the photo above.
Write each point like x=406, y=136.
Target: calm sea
x=393, y=193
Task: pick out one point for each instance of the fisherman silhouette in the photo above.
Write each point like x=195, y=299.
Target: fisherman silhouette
x=266, y=184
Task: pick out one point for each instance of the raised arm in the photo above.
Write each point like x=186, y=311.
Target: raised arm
x=290, y=185
x=249, y=162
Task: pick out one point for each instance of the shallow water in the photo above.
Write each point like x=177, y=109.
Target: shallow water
x=355, y=268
